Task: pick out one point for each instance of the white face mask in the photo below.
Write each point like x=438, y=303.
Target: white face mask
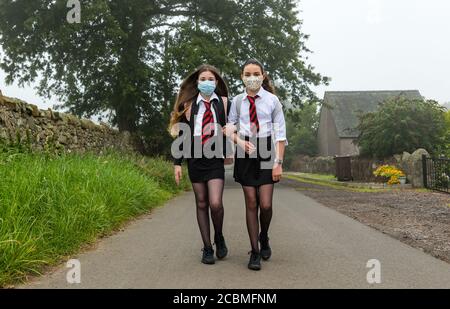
x=253, y=83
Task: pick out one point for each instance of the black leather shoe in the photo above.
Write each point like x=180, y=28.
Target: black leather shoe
x=255, y=261
x=266, y=251
x=208, y=255
x=221, y=247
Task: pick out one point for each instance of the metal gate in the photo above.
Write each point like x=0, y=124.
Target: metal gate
x=436, y=173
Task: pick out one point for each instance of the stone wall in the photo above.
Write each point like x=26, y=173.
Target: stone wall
x=363, y=168
x=47, y=128
x=316, y=165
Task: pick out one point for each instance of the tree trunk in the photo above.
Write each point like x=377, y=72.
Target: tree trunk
x=126, y=96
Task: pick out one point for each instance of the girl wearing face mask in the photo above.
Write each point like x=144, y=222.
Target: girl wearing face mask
x=201, y=105
x=255, y=116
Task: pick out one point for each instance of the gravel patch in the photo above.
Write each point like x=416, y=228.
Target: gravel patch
x=419, y=219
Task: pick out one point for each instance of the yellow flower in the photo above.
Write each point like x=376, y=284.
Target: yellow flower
x=390, y=172
x=393, y=181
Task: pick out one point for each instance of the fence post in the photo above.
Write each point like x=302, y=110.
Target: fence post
x=424, y=171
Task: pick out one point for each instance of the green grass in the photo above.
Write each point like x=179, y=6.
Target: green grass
x=51, y=206
x=317, y=176
x=324, y=180
x=332, y=185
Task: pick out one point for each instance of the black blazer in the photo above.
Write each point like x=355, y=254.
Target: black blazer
x=220, y=116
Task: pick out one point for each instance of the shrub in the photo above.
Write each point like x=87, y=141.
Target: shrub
x=401, y=124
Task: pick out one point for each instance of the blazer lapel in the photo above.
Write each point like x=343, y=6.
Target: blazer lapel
x=194, y=112
x=218, y=108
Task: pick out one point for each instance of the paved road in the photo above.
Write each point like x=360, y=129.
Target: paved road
x=313, y=247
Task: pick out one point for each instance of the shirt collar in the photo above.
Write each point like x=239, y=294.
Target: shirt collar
x=260, y=93
x=213, y=96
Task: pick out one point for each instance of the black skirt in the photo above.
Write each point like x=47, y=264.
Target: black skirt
x=204, y=169
x=255, y=171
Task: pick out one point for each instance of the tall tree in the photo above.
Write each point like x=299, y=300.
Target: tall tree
x=302, y=125
x=127, y=57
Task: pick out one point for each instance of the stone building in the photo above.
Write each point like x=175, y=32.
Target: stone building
x=339, y=118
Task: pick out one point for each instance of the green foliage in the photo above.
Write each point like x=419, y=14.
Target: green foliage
x=51, y=205
x=445, y=150
x=302, y=125
x=442, y=179
x=401, y=124
x=126, y=57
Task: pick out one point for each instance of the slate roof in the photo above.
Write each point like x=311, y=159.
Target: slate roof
x=346, y=105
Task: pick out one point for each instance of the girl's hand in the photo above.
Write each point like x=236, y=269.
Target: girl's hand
x=277, y=171
x=178, y=171
x=228, y=161
x=246, y=145
x=229, y=129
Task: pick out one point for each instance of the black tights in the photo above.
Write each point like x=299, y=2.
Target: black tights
x=258, y=197
x=208, y=195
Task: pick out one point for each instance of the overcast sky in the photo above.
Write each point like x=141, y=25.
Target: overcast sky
x=381, y=44
x=365, y=45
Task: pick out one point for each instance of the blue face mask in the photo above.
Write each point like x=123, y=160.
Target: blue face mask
x=207, y=87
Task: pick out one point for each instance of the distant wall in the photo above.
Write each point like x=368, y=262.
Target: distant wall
x=47, y=128
x=315, y=165
x=362, y=168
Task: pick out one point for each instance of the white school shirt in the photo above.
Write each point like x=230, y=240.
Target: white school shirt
x=198, y=126
x=265, y=105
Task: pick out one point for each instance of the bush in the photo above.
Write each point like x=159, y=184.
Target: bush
x=401, y=124
x=445, y=148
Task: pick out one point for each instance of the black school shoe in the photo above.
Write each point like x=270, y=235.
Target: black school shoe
x=208, y=255
x=266, y=251
x=255, y=261
x=221, y=247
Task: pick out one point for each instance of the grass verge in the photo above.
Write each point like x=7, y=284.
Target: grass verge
x=50, y=206
x=325, y=183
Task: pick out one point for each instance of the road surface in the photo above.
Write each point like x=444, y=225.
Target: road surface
x=313, y=247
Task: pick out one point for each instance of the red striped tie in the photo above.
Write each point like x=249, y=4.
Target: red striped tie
x=208, y=123
x=254, y=123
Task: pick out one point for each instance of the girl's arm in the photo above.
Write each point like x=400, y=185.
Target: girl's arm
x=177, y=162
x=177, y=169
x=246, y=145
x=280, y=140
x=277, y=170
x=230, y=130
x=279, y=152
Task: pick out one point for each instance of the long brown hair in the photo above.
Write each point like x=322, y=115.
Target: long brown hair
x=267, y=82
x=189, y=91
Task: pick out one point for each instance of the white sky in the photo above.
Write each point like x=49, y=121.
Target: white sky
x=381, y=44
x=364, y=45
